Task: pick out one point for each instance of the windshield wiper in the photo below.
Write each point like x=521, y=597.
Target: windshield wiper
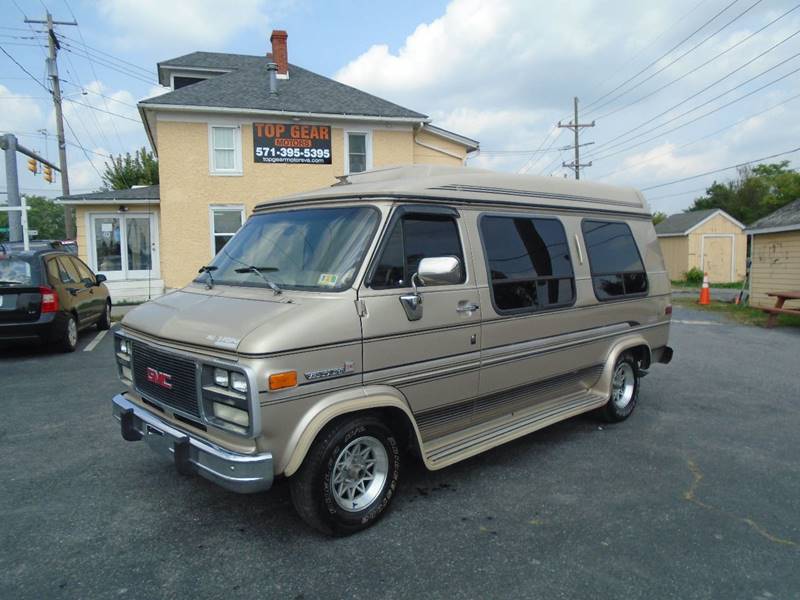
x=207, y=269
x=259, y=271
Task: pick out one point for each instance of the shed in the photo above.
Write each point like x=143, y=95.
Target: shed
x=775, y=251
x=709, y=240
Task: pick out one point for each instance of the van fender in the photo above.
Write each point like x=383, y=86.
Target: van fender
x=336, y=405
x=626, y=343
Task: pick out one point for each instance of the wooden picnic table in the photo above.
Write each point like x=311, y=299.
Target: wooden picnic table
x=778, y=309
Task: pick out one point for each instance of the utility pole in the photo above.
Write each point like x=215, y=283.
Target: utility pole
x=52, y=72
x=16, y=217
x=576, y=126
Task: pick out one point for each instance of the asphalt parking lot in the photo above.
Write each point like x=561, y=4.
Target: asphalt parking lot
x=697, y=495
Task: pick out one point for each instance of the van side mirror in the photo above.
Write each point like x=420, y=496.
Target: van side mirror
x=436, y=270
x=440, y=270
x=100, y=278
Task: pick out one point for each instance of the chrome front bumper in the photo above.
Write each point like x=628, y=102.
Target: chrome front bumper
x=243, y=473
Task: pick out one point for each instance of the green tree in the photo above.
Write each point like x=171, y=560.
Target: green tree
x=44, y=215
x=126, y=171
x=755, y=193
x=658, y=216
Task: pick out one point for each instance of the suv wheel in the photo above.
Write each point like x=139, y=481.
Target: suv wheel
x=349, y=476
x=624, y=390
x=69, y=339
x=104, y=323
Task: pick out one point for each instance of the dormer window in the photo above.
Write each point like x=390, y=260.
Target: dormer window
x=179, y=81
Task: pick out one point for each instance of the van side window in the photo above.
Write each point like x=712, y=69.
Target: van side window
x=616, y=265
x=529, y=263
x=414, y=237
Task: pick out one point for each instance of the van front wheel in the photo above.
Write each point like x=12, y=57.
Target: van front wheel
x=349, y=476
x=624, y=390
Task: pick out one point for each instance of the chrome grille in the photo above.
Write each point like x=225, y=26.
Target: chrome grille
x=183, y=378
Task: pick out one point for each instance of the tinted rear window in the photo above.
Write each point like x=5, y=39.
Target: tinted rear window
x=19, y=270
x=616, y=265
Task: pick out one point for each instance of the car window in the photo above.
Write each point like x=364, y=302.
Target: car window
x=83, y=271
x=529, y=263
x=16, y=270
x=67, y=271
x=414, y=237
x=615, y=262
x=53, y=273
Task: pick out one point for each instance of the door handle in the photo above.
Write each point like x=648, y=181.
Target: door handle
x=466, y=307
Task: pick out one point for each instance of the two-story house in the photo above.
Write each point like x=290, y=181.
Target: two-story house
x=233, y=131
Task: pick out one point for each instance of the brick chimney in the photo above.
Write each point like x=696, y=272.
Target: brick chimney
x=280, y=54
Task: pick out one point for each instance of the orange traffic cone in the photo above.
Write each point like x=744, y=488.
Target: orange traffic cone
x=705, y=292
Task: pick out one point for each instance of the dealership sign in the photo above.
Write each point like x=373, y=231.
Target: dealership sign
x=292, y=144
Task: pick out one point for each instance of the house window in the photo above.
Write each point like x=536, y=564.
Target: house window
x=358, y=152
x=529, y=263
x=225, y=221
x=225, y=151
x=617, y=269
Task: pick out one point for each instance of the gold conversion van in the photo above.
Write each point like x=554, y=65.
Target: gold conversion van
x=419, y=311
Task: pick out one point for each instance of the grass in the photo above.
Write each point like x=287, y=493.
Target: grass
x=741, y=314
x=686, y=284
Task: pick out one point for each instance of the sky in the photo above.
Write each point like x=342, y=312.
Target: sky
x=675, y=89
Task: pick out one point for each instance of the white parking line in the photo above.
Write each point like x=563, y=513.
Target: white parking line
x=93, y=344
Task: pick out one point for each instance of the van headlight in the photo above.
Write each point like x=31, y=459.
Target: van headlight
x=123, y=349
x=226, y=398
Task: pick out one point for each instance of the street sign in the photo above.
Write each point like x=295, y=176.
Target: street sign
x=33, y=232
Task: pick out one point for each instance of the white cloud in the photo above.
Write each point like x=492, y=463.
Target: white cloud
x=101, y=115
x=175, y=25
x=18, y=112
x=505, y=72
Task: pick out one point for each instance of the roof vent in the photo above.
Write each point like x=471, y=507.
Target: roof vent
x=272, y=69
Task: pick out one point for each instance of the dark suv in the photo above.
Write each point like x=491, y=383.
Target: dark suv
x=48, y=296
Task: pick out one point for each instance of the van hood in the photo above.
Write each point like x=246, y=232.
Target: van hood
x=245, y=321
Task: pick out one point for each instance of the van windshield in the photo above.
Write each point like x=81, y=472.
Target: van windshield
x=309, y=249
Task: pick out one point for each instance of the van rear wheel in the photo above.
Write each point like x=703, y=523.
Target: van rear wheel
x=624, y=390
x=349, y=476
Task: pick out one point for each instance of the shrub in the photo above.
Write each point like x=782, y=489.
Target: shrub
x=694, y=275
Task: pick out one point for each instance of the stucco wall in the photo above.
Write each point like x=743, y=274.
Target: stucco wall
x=429, y=156
x=674, y=250
x=720, y=225
x=187, y=188
x=775, y=267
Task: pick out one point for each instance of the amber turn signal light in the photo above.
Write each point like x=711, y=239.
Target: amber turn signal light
x=279, y=381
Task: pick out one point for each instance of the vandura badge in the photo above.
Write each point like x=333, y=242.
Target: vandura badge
x=326, y=373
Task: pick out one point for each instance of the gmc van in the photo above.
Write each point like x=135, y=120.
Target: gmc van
x=425, y=312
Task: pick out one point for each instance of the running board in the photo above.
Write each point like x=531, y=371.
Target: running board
x=455, y=447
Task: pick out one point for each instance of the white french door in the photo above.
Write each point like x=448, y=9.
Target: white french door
x=124, y=246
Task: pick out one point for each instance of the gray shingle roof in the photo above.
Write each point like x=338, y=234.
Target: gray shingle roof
x=787, y=216
x=682, y=222
x=144, y=193
x=247, y=87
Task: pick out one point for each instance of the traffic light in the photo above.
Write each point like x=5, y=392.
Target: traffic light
x=48, y=173
x=33, y=166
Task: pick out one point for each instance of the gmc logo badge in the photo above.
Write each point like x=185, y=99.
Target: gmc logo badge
x=159, y=378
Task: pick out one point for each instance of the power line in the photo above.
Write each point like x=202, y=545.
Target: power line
x=87, y=48
x=712, y=134
x=85, y=152
x=719, y=108
x=664, y=55
x=694, y=70
x=706, y=88
x=78, y=52
x=672, y=62
x=743, y=164
x=683, y=193
x=97, y=108
x=28, y=73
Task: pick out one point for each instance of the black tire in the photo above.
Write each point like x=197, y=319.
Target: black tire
x=104, y=322
x=313, y=495
x=68, y=341
x=620, y=409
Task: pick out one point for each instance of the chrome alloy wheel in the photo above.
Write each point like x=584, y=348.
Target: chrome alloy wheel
x=623, y=385
x=72, y=332
x=359, y=473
